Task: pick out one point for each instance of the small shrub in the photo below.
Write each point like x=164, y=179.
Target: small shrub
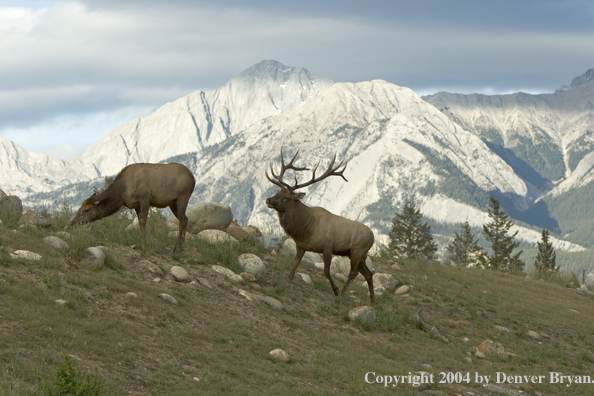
x=69, y=381
x=5, y=259
x=8, y=214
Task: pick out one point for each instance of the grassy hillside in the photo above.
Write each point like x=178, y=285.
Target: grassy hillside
x=215, y=341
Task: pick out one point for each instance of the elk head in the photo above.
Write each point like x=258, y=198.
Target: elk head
x=88, y=211
x=286, y=196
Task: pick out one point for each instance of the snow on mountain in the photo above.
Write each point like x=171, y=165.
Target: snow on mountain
x=202, y=119
x=386, y=134
x=551, y=133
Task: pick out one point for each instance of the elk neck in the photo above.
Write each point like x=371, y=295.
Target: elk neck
x=111, y=200
x=297, y=221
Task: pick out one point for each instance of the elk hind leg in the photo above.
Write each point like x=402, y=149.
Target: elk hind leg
x=142, y=214
x=178, y=208
x=366, y=272
x=298, y=256
x=327, y=262
x=355, y=264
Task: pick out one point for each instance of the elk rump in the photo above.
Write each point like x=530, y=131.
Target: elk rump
x=140, y=186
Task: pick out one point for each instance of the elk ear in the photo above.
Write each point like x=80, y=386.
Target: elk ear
x=299, y=195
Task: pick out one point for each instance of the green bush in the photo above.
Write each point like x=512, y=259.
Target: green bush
x=69, y=381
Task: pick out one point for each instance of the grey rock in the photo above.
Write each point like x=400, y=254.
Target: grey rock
x=204, y=282
x=248, y=295
x=501, y=328
x=270, y=242
x=94, y=256
x=25, y=255
x=180, y=274
x=55, y=242
x=227, y=273
x=151, y=267
x=207, y=216
x=306, y=278
x=273, y=302
x=215, y=236
x=364, y=315
x=168, y=298
x=280, y=355
x=405, y=289
x=252, y=264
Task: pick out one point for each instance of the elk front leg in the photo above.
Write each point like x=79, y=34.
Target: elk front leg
x=298, y=256
x=327, y=262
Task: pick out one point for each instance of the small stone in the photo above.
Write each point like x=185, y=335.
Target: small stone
x=405, y=289
x=386, y=281
x=465, y=339
x=227, y=273
x=248, y=277
x=533, y=334
x=270, y=242
x=204, y=282
x=280, y=355
x=196, y=379
x=341, y=277
x=252, y=264
x=157, y=280
x=25, y=255
x=55, y=242
x=501, y=328
x=94, y=256
x=61, y=302
x=216, y=236
x=273, y=302
x=306, y=278
x=180, y=274
x=248, y=295
x=168, y=298
x=395, y=267
x=364, y=315
x=468, y=359
x=489, y=347
x=131, y=295
x=151, y=267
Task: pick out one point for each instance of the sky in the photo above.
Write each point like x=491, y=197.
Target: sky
x=70, y=71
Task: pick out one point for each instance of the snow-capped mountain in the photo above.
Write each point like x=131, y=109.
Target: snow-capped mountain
x=448, y=155
x=188, y=124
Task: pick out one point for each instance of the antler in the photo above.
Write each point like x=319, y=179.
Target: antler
x=331, y=171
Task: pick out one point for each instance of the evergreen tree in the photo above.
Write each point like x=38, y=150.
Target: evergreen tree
x=410, y=238
x=546, y=258
x=464, y=250
x=502, y=244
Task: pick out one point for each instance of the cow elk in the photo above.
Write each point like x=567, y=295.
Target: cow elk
x=315, y=229
x=140, y=186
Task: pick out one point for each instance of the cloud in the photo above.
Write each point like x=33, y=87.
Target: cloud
x=77, y=60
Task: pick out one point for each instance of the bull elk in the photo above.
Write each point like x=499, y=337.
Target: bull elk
x=140, y=186
x=315, y=229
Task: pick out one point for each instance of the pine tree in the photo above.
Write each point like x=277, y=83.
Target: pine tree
x=410, y=238
x=502, y=244
x=464, y=250
x=546, y=258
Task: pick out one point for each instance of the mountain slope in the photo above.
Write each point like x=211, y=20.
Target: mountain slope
x=397, y=146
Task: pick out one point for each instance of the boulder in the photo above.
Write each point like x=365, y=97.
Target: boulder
x=386, y=281
x=11, y=204
x=253, y=231
x=252, y=264
x=489, y=347
x=207, y=216
x=280, y=355
x=271, y=242
x=55, y=242
x=94, y=255
x=363, y=315
x=227, y=273
x=151, y=267
x=215, y=236
x=32, y=218
x=25, y=254
x=180, y=274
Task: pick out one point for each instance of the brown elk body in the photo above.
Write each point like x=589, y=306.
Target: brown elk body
x=140, y=186
x=315, y=229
